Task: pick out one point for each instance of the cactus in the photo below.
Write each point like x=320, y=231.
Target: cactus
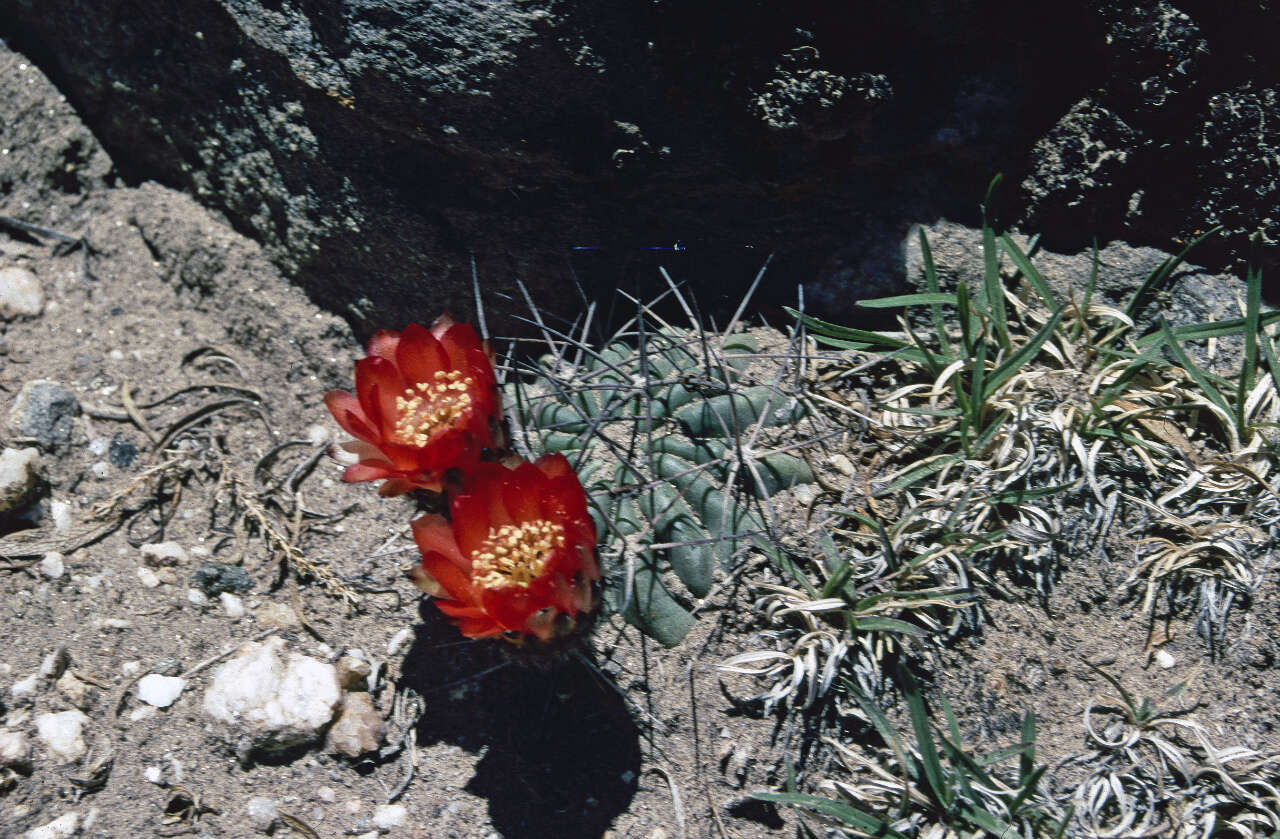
x=659, y=424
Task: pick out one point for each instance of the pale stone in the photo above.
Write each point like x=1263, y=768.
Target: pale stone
x=400, y=641
x=52, y=566
x=62, y=734
x=271, y=699
x=25, y=687
x=20, y=293
x=17, y=477
x=147, y=577
x=60, y=512
x=154, y=774
x=196, y=597
x=159, y=554
x=358, y=729
x=354, y=672
x=262, y=813
x=15, y=749
x=272, y=614
x=62, y=827
x=232, y=604
x=387, y=816
x=160, y=691
x=1165, y=659
x=78, y=693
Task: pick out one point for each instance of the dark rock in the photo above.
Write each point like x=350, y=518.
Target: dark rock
x=374, y=147
x=122, y=452
x=45, y=411
x=214, y=578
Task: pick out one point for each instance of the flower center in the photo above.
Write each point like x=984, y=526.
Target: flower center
x=515, y=554
x=427, y=407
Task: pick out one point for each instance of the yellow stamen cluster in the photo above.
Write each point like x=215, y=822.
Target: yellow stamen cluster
x=515, y=554
x=428, y=407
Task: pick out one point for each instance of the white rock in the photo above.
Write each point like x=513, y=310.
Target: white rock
x=154, y=774
x=55, y=663
x=318, y=435
x=130, y=669
x=100, y=470
x=52, y=566
x=99, y=446
x=17, y=477
x=142, y=712
x=60, y=512
x=400, y=641
x=270, y=699
x=62, y=733
x=147, y=577
x=1165, y=659
x=164, y=553
x=20, y=293
x=160, y=691
x=62, y=827
x=15, y=749
x=197, y=597
x=387, y=816
x=262, y=813
x=327, y=795
x=25, y=687
x=233, y=605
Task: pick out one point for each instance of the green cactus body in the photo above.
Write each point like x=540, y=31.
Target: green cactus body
x=659, y=437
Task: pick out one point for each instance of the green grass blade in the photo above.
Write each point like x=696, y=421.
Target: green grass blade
x=847, y=333
x=934, y=776
x=1161, y=274
x=853, y=817
x=1027, y=762
x=916, y=299
x=1024, y=354
x=968, y=321
x=1200, y=331
x=879, y=624
x=993, y=289
x=1028, y=270
x=931, y=285
x=1201, y=378
x=1253, y=304
x=1273, y=364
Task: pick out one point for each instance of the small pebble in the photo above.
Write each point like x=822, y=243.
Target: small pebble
x=147, y=577
x=61, y=734
x=400, y=641
x=167, y=576
x=98, y=446
x=62, y=827
x=353, y=806
x=387, y=816
x=1165, y=659
x=154, y=774
x=45, y=411
x=196, y=597
x=213, y=578
x=25, y=687
x=262, y=813
x=15, y=750
x=20, y=293
x=55, y=663
x=17, y=477
x=160, y=691
x=158, y=554
x=142, y=712
x=233, y=605
x=327, y=795
x=276, y=614
x=60, y=512
x=100, y=470
x=130, y=669
x=51, y=565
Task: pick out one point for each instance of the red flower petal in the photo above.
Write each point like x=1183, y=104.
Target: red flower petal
x=383, y=344
x=378, y=383
x=433, y=534
x=420, y=356
x=450, y=577
x=360, y=472
x=470, y=521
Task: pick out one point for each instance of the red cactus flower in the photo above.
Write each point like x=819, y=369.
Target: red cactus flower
x=519, y=554
x=426, y=401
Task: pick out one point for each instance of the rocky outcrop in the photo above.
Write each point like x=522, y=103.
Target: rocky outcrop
x=374, y=148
